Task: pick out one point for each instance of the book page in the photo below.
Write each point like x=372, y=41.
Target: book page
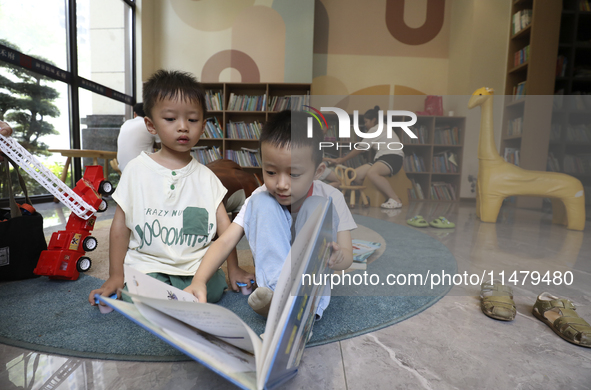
x=215, y=320
x=143, y=285
x=230, y=362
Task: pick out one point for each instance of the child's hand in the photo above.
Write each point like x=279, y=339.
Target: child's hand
x=198, y=289
x=110, y=287
x=337, y=257
x=237, y=274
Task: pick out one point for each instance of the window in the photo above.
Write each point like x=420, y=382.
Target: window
x=67, y=74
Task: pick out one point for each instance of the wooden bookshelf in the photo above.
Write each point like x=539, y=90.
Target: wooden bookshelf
x=263, y=92
x=570, y=139
x=427, y=148
x=535, y=80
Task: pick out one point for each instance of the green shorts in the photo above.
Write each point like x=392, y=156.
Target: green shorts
x=215, y=287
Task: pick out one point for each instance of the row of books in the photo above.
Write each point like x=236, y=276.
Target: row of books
x=441, y=190
x=511, y=155
x=521, y=56
x=555, y=133
x=414, y=163
x=242, y=130
x=519, y=91
x=296, y=103
x=247, y=103
x=214, y=100
x=445, y=162
x=584, y=5
x=205, y=154
x=576, y=101
x=213, y=129
x=561, y=62
x=356, y=161
x=515, y=127
x=521, y=20
x=579, y=133
x=416, y=192
x=420, y=131
x=577, y=164
x=552, y=163
x=446, y=136
x=245, y=157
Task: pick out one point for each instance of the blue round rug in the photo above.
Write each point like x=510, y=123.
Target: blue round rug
x=54, y=316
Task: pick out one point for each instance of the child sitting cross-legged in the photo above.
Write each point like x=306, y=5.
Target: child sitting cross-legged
x=169, y=206
x=275, y=212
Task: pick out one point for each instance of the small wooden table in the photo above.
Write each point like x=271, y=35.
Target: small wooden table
x=81, y=153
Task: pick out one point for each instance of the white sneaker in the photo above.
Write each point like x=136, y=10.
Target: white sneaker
x=391, y=204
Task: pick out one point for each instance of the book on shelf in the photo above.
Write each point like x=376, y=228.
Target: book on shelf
x=414, y=163
x=247, y=103
x=577, y=164
x=561, y=63
x=245, y=157
x=206, y=154
x=555, y=132
x=580, y=134
x=511, y=155
x=584, y=5
x=212, y=128
x=521, y=56
x=331, y=133
x=552, y=163
x=213, y=100
x=515, y=127
x=441, y=190
x=445, y=162
x=294, y=103
x=446, y=135
x=521, y=20
x=420, y=131
x=242, y=130
x=356, y=161
x=519, y=91
x=416, y=192
x=218, y=338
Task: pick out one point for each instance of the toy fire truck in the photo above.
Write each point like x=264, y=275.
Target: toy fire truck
x=65, y=255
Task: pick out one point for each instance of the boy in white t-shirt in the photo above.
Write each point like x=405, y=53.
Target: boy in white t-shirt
x=291, y=166
x=169, y=206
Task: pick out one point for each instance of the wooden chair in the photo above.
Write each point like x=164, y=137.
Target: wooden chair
x=400, y=184
x=346, y=177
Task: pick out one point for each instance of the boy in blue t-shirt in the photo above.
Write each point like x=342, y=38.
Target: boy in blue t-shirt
x=291, y=162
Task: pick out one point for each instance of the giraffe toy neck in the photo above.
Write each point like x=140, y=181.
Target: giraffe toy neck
x=486, y=142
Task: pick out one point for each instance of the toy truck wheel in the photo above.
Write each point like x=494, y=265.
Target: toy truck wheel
x=89, y=244
x=103, y=206
x=106, y=188
x=83, y=264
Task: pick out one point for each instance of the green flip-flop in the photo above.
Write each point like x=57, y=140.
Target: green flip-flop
x=442, y=223
x=417, y=221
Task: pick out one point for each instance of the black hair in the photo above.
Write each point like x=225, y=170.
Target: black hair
x=138, y=108
x=165, y=84
x=372, y=113
x=290, y=128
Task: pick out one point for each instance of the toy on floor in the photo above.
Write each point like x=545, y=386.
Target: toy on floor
x=498, y=179
x=65, y=255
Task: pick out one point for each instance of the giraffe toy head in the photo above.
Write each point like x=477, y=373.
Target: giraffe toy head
x=480, y=96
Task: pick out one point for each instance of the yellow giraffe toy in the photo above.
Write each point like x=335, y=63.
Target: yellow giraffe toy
x=498, y=179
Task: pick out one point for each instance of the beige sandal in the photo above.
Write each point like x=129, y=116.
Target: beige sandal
x=497, y=301
x=561, y=317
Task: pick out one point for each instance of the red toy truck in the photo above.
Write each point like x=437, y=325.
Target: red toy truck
x=65, y=255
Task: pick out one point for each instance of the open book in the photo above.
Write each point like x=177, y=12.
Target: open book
x=217, y=338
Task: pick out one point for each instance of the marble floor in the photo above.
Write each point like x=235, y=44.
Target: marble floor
x=450, y=345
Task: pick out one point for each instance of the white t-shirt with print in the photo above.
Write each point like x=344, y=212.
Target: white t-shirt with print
x=171, y=214
x=346, y=221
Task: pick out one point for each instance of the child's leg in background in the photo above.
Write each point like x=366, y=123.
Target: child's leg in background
x=308, y=208
x=267, y=226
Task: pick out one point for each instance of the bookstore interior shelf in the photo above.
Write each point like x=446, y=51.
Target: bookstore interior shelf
x=236, y=114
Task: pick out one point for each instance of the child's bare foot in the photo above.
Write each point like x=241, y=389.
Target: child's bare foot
x=260, y=300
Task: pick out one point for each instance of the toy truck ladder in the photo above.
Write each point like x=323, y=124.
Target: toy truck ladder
x=45, y=177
